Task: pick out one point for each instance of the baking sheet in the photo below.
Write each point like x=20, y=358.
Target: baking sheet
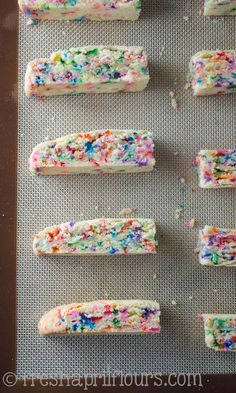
x=174, y=274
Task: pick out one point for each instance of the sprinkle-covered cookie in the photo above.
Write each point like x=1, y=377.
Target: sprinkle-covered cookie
x=102, y=151
x=213, y=72
x=220, y=331
x=98, y=237
x=81, y=9
x=217, y=246
x=102, y=317
x=92, y=69
x=219, y=7
x=217, y=168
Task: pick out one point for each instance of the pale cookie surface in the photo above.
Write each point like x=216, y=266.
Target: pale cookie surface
x=78, y=9
x=213, y=72
x=220, y=331
x=217, y=246
x=92, y=69
x=217, y=168
x=220, y=7
x=102, y=317
x=98, y=237
x=102, y=151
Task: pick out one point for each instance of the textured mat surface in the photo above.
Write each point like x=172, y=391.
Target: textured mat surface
x=174, y=273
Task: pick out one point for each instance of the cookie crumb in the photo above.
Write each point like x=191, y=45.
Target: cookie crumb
x=127, y=212
x=31, y=22
x=190, y=224
x=173, y=100
x=178, y=213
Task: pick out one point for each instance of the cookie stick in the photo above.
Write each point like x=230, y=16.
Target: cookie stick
x=92, y=69
x=220, y=331
x=217, y=168
x=77, y=9
x=217, y=246
x=219, y=7
x=103, y=236
x=102, y=151
x=213, y=72
x=102, y=317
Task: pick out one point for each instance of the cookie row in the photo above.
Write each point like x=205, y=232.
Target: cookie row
x=129, y=317
x=117, y=236
x=110, y=69
x=105, y=9
x=123, y=151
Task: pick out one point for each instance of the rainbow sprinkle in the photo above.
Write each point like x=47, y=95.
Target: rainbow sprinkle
x=220, y=331
x=217, y=168
x=102, y=151
x=91, y=69
x=98, y=237
x=213, y=72
x=217, y=246
x=77, y=9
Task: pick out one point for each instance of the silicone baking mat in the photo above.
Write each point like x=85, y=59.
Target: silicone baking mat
x=170, y=31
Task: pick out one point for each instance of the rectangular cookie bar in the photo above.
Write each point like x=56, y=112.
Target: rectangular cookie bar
x=217, y=168
x=213, y=72
x=217, y=246
x=98, y=237
x=91, y=69
x=78, y=9
x=219, y=7
x=102, y=151
x=220, y=331
x=102, y=317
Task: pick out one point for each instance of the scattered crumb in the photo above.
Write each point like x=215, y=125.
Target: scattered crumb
x=154, y=276
x=31, y=22
x=187, y=86
x=3, y=214
x=186, y=18
x=196, y=250
x=190, y=297
x=173, y=100
x=176, y=153
x=127, y=212
x=190, y=224
x=173, y=302
x=161, y=52
x=178, y=213
x=21, y=135
x=182, y=179
x=215, y=290
x=96, y=208
x=47, y=138
x=193, y=189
